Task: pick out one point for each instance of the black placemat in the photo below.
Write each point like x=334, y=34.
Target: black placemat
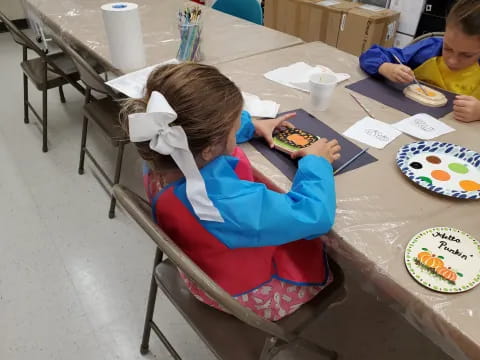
x=392, y=95
x=308, y=122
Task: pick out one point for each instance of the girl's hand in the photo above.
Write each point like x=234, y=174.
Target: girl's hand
x=397, y=73
x=330, y=150
x=265, y=128
x=466, y=108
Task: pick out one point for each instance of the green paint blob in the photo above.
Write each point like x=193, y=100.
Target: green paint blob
x=458, y=168
x=426, y=179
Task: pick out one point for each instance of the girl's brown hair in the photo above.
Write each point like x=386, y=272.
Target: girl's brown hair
x=466, y=14
x=206, y=102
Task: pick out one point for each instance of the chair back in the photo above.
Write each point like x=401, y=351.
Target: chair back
x=246, y=9
x=19, y=36
x=140, y=211
x=426, y=36
x=87, y=73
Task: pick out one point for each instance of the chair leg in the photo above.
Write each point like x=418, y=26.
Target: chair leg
x=269, y=348
x=330, y=354
x=116, y=179
x=25, y=99
x=62, y=95
x=152, y=296
x=83, y=146
x=44, y=121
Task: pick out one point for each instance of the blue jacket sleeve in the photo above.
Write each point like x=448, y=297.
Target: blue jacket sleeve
x=256, y=216
x=246, y=131
x=413, y=55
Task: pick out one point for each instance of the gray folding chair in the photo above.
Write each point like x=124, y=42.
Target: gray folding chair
x=243, y=335
x=45, y=72
x=104, y=112
x=426, y=36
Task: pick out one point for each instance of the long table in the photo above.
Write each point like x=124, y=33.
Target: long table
x=224, y=37
x=379, y=209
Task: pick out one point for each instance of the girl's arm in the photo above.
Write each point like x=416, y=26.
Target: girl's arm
x=412, y=56
x=265, y=128
x=247, y=130
x=255, y=216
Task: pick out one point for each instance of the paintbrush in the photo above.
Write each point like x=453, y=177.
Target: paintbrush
x=414, y=78
x=350, y=161
x=361, y=105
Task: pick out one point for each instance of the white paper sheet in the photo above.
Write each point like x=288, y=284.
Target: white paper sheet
x=260, y=108
x=298, y=74
x=133, y=84
x=371, y=7
x=423, y=126
x=372, y=132
x=328, y=2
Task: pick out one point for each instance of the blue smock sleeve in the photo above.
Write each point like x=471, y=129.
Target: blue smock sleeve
x=413, y=55
x=256, y=216
x=247, y=130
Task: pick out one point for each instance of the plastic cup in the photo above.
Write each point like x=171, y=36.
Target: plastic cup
x=321, y=90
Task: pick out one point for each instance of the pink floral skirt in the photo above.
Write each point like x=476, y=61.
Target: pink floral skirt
x=272, y=301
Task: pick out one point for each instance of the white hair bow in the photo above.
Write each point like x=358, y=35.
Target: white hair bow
x=154, y=125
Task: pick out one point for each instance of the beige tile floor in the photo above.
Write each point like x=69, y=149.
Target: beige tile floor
x=73, y=284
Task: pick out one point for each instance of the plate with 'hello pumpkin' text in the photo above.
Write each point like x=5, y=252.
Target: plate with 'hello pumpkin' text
x=443, y=168
x=444, y=259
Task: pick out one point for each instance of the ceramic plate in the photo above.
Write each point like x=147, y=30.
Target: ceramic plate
x=443, y=168
x=291, y=140
x=444, y=259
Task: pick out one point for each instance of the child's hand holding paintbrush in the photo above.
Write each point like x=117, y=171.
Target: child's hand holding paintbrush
x=397, y=73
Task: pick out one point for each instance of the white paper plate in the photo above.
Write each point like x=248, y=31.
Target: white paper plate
x=444, y=259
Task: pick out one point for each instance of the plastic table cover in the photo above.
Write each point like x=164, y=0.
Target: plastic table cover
x=224, y=37
x=379, y=209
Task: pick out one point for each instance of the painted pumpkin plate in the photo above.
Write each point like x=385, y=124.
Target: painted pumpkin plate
x=443, y=168
x=291, y=140
x=444, y=259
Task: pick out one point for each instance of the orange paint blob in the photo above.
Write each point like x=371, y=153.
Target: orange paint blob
x=298, y=139
x=429, y=92
x=440, y=175
x=469, y=185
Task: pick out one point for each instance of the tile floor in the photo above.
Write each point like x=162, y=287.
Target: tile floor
x=73, y=283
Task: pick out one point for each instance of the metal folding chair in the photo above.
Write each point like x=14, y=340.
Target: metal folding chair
x=104, y=112
x=243, y=335
x=426, y=36
x=45, y=72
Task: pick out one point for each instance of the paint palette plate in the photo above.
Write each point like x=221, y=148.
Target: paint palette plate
x=291, y=140
x=444, y=259
x=443, y=168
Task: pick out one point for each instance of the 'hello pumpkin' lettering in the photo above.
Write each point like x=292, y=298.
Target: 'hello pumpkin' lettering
x=446, y=237
x=443, y=246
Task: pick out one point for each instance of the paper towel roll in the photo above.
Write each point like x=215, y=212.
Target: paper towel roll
x=124, y=33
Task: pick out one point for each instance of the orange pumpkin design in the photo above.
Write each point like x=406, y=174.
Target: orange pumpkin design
x=446, y=273
x=433, y=262
x=423, y=254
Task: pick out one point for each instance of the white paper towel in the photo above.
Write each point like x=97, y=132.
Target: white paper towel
x=124, y=33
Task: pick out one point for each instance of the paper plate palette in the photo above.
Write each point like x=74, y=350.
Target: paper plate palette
x=443, y=168
x=444, y=259
x=290, y=140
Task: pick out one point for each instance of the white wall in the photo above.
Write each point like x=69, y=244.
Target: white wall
x=12, y=8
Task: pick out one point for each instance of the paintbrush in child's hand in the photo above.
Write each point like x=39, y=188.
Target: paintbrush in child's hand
x=414, y=78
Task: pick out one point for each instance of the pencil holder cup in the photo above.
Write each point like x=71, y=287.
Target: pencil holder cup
x=190, y=42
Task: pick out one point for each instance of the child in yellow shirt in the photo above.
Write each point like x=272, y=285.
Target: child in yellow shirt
x=451, y=63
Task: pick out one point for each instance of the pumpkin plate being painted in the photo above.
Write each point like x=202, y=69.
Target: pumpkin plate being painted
x=444, y=259
x=291, y=140
x=443, y=168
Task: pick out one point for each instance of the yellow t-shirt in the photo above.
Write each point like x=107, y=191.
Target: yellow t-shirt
x=437, y=73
